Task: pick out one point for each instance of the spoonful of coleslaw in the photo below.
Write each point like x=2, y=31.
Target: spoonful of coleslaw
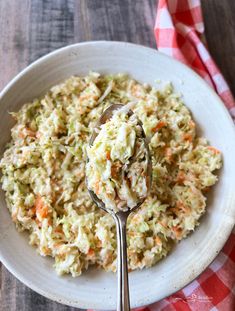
x=118, y=177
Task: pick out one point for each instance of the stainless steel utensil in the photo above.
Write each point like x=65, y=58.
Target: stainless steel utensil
x=120, y=217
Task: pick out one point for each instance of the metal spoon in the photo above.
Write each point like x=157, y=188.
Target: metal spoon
x=120, y=217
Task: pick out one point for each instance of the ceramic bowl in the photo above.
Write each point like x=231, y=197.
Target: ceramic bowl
x=95, y=288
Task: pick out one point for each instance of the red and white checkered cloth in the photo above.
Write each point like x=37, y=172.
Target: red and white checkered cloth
x=178, y=30
x=179, y=33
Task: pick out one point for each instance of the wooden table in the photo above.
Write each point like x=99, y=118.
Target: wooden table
x=32, y=28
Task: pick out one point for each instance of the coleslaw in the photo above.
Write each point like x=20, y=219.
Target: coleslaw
x=117, y=167
x=43, y=174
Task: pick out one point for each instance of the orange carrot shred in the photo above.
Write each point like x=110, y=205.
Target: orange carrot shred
x=158, y=241
x=168, y=153
x=108, y=155
x=41, y=209
x=177, y=231
x=188, y=137
x=160, y=125
x=91, y=252
x=213, y=149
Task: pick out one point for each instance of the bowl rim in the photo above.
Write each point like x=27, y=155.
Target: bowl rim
x=228, y=229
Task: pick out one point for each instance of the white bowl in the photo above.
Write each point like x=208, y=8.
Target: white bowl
x=97, y=289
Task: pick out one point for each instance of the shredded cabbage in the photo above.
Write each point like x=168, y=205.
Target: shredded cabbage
x=43, y=173
x=117, y=167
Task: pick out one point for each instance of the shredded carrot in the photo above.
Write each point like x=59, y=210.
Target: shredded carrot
x=177, y=231
x=97, y=187
x=183, y=207
x=26, y=132
x=160, y=125
x=33, y=210
x=179, y=204
x=213, y=149
x=88, y=96
x=91, y=252
x=158, y=241
x=168, y=153
x=113, y=171
x=30, y=133
x=41, y=209
x=188, y=137
x=108, y=155
x=57, y=245
x=58, y=229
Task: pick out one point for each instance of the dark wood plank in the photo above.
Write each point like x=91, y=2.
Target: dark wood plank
x=120, y=20
x=32, y=28
x=219, y=16
x=51, y=26
x=14, y=23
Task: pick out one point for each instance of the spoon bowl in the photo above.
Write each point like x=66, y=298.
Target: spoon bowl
x=120, y=217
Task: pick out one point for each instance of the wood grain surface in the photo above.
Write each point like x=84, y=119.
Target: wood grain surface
x=32, y=28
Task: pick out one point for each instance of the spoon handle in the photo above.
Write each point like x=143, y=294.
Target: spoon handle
x=123, y=302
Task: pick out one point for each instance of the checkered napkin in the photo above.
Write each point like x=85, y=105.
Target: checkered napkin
x=179, y=29
x=179, y=33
